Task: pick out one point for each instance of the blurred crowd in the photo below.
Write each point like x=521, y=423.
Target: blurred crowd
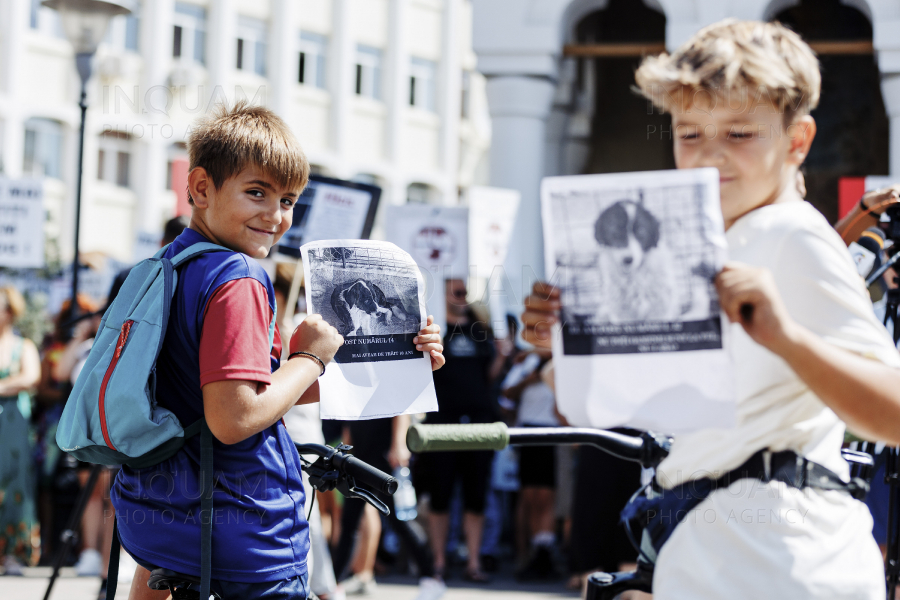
x=464, y=514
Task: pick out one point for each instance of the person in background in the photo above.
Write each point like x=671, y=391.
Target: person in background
x=50, y=462
x=536, y=407
x=382, y=444
x=463, y=389
x=20, y=370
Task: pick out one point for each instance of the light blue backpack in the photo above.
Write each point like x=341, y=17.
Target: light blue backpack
x=111, y=416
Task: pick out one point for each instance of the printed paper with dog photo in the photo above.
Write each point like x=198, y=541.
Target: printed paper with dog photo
x=642, y=340
x=373, y=293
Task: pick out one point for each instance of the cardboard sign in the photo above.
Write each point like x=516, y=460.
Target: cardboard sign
x=21, y=223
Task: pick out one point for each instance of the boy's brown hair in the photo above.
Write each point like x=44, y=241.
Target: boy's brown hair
x=766, y=60
x=231, y=139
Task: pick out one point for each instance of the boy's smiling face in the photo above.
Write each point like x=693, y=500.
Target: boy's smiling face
x=747, y=140
x=248, y=214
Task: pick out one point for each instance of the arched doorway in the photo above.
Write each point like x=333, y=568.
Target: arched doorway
x=625, y=133
x=853, y=127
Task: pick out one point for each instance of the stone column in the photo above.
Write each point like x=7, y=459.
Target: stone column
x=221, y=47
x=449, y=91
x=283, y=56
x=150, y=158
x=341, y=63
x=15, y=14
x=519, y=108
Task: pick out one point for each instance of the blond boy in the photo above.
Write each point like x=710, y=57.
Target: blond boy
x=809, y=354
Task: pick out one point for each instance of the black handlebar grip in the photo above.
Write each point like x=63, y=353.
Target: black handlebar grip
x=367, y=474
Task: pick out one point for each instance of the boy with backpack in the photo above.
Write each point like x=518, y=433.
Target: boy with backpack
x=764, y=510
x=218, y=361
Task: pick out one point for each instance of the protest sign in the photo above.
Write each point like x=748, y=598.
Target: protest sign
x=437, y=239
x=330, y=209
x=642, y=340
x=492, y=214
x=373, y=293
x=21, y=223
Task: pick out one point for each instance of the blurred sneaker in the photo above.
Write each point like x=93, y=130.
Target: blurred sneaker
x=539, y=567
x=359, y=587
x=89, y=563
x=12, y=567
x=431, y=588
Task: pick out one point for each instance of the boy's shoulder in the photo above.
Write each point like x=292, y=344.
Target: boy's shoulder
x=209, y=271
x=774, y=225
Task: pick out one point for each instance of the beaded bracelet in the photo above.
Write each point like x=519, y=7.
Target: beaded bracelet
x=309, y=355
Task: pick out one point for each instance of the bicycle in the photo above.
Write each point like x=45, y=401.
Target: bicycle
x=648, y=449
x=334, y=469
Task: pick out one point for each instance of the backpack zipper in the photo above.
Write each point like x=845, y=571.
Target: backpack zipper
x=120, y=345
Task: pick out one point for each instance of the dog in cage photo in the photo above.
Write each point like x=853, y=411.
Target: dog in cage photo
x=364, y=309
x=636, y=266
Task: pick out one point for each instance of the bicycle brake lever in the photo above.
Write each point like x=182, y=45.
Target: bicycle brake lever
x=348, y=488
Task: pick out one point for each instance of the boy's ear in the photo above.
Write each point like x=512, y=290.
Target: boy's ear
x=801, y=133
x=199, y=186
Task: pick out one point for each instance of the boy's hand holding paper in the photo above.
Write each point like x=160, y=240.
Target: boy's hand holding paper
x=373, y=295
x=315, y=336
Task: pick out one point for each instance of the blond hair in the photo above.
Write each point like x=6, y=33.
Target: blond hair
x=15, y=303
x=231, y=139
x=767, y=60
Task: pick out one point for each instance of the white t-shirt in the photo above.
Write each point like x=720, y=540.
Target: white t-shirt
x=756, y=540
x=537, y=403
x=823, y=292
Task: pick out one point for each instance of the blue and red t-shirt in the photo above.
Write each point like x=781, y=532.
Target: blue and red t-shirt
x=219, y=329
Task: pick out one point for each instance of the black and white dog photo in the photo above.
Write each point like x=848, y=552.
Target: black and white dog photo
x=364, y=309
x=636, y=266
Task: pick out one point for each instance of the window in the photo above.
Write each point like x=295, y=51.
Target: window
x=123, y=32
x=368, y=72
x=251, y=45
x=422, y=75
x=43, y=148
x=114, y=158
x=189, y=37
x=46, y=20
x=313, y=48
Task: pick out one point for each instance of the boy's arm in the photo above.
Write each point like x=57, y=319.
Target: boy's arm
x=241, y=397
x=864, y=393
x=29, y=374
x=855, y=223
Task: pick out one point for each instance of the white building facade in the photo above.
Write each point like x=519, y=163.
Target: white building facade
x=520, y=47
x=383, y=91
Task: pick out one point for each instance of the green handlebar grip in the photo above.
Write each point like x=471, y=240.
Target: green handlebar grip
x=474, y=436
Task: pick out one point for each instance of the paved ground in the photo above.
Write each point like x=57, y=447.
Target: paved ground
x=70, y=587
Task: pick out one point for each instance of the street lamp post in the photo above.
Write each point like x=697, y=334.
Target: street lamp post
x=85, y=23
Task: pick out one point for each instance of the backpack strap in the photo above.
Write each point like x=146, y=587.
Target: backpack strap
x=206, y=508
x=196, y=250
x=112, y=575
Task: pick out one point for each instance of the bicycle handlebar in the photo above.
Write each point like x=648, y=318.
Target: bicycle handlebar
x=352, y=466
x=648, y=449
x=366, y=473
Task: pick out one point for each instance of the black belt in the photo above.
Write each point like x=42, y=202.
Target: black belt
x=791, y=469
